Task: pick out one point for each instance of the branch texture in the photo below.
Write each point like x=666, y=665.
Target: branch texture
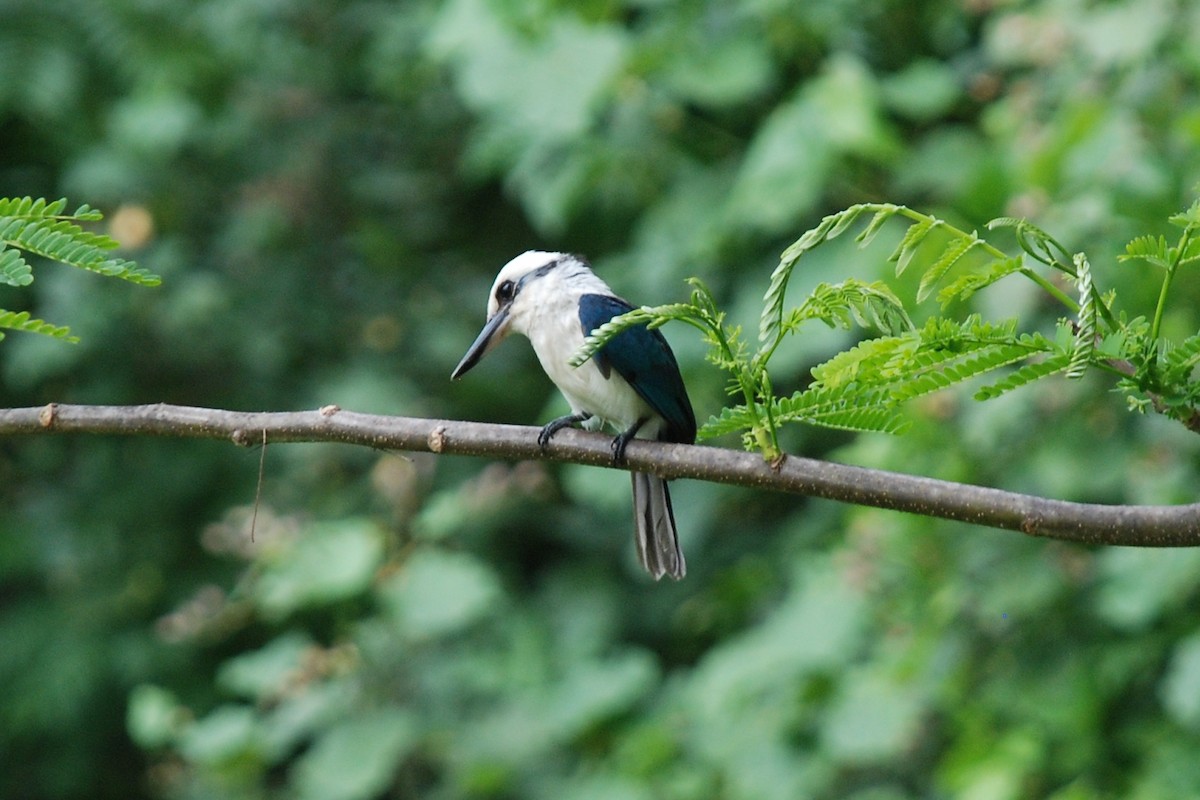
x=1138, y=526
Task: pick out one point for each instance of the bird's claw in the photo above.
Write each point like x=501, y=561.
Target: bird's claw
x=554, y=426
x=621, y=442
x=618, y=449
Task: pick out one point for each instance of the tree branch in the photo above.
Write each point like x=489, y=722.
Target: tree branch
x=1139, y=526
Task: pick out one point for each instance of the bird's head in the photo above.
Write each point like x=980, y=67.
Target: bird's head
x=515, y=287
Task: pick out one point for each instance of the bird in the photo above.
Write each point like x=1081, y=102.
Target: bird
x=632, y=384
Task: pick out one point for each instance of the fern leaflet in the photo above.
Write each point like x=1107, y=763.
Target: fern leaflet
x=962, y=287
x=1151, y=249
x=1181, y=359
x=14, y=270
x=844, y=408
x=954, y=251
x=904, y=252
x=41, y=228
x=22, y=321
x=1026, y=374
x=733, y=419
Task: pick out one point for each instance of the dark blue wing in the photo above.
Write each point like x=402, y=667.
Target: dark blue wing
x=644, y=359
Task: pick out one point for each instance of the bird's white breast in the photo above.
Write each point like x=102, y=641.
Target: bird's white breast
x=549, y=316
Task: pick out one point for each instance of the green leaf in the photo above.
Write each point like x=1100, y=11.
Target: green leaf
x=438, y=593
x=849, y=302
x=1180, y=690
x=1138, y=587
x=1188, y=219
x=14, y=270
x=732, y=419
x=327, y=562
x=356, y=759
x=964, y=286
x=957, y=369
x=224, y=735
x=874, y=717
x=260, y=674
x=876, y=224
x=154, y=717
x=916, y=233
x=22, y=321
x=1179, y=360
x=954, y=251
x=869, y=361
x=1026, y=374
x=1151, y=249
x=844, y=221
x=41, y=228
x=841, y=407
x=651, y=317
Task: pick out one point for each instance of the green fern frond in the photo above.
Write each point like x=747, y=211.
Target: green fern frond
x=1026, y=374
x=852, y=302
x=882, y=215
x=951, y=369
x=868, y=357
x=962, y=287
x=943, y=353
x=880, y=419
x=830, y=227
x=651, y=317
x=64, y=241
x=1182, y=358
x=30, y=208
x=734, y=419
x=1151, y=249
x=1189, y=219
x=843, y=408
x=955, y=250
x=41, y=228
x=22, y=321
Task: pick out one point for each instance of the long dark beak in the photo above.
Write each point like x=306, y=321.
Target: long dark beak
x=485, y=341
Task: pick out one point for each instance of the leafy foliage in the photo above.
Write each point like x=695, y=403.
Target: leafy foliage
x=22, y=321
x=863, y=388
x=43, y=229
x=332, y=187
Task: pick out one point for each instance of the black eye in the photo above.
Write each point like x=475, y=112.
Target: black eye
x=505, y=291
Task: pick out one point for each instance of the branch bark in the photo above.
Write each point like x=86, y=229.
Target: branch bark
x=1138, y=526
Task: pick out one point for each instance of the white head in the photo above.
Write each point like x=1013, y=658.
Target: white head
x=522, y=284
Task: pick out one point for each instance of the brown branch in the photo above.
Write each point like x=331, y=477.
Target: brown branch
x=1140, y=526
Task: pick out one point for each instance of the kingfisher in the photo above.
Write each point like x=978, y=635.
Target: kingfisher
x=632, y=384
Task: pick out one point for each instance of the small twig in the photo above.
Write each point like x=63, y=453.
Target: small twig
x=1138, y=526
x=262, y=463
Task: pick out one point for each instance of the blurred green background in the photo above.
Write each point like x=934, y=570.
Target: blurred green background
x=328, y=189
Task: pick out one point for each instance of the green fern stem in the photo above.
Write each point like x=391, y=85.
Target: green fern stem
x=768, y=436
x=1055, y=292
x=755, y=384
x=1156, y=324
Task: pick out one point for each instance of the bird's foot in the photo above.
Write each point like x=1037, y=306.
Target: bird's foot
x=621, y=442
x=555, y=425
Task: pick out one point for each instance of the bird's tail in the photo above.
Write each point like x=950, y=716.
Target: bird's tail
x=657, y=543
